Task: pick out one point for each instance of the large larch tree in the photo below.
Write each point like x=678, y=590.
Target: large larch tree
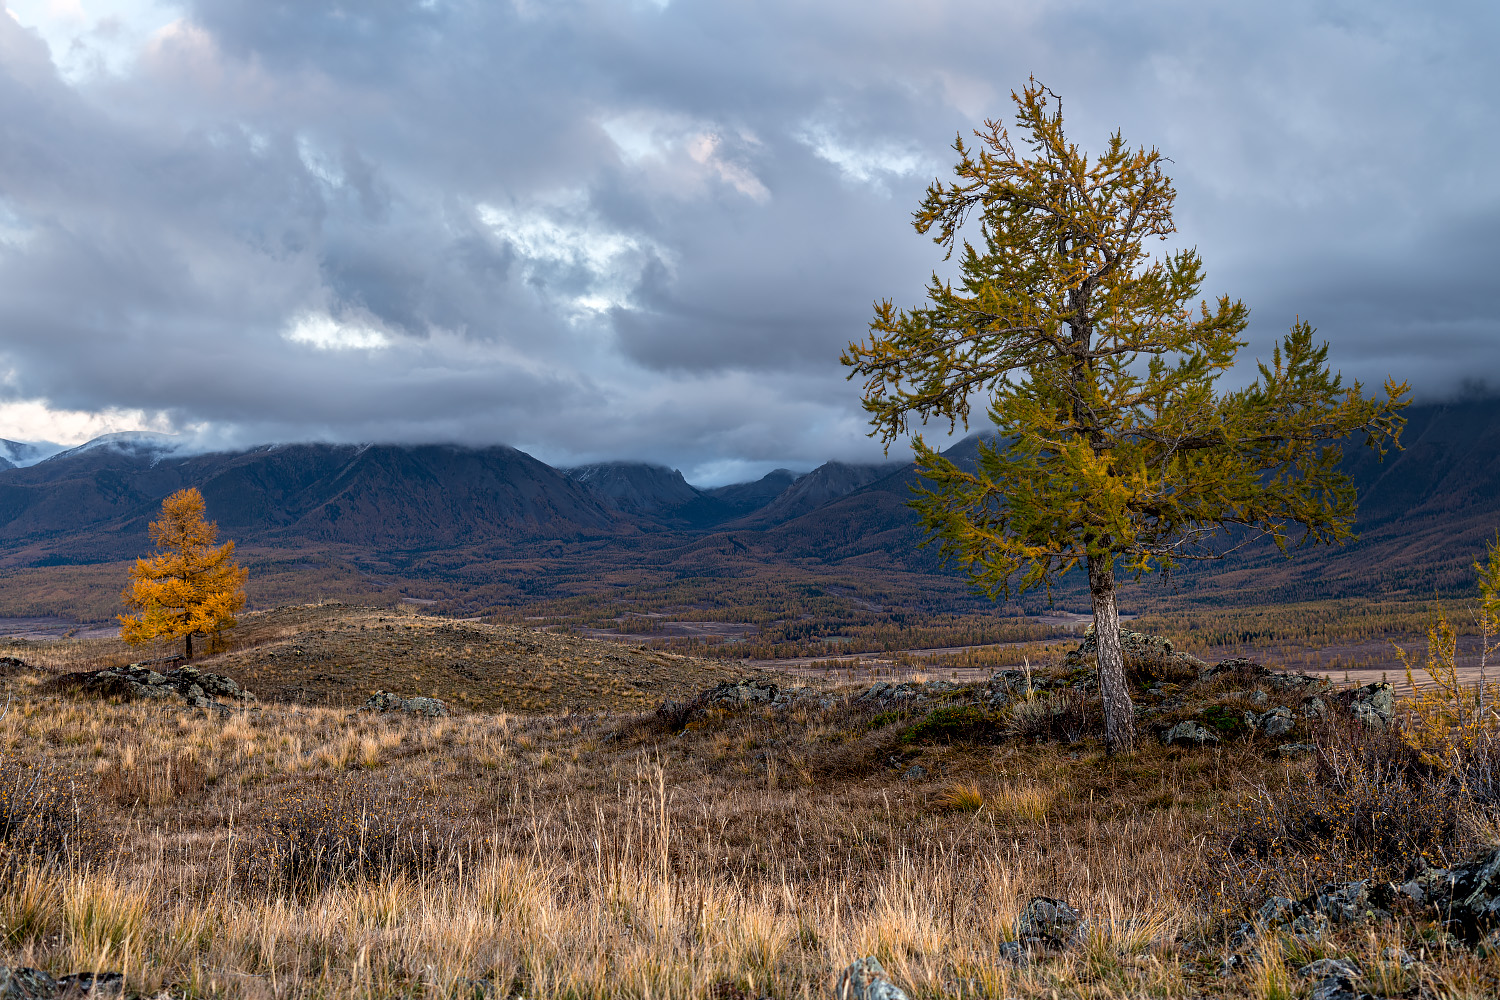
x=1099, y=363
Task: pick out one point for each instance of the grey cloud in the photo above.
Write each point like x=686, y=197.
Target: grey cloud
x=598, y=230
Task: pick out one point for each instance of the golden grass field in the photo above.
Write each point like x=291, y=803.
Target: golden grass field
x=572, y=845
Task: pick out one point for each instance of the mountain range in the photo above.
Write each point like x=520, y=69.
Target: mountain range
x=1424, y=515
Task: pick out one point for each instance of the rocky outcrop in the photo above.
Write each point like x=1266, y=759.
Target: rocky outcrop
x=1373, y=704
x=1335, y=979
x=1467, y=896
x=1049, y=924
x=21, y=983
x=138, y=681
x=1190, y=734
x=865, y=979
x=11, y=665
x=1140, y=649
x=385, y=701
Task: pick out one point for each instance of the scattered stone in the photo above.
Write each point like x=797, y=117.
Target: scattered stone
x=138, y=681
x=385, y=701
x=1048, y=923
x=1314, y=708
x=733, y=696
x=914, y=773
x=865, y=979
x=1336, y=979
x=21, y=983
x=885, y=693
x=1277, y=722
x=1012, y=952
x=1189, y=732
x=1373, y=704
x=1467, y=895
x=1138, y=647
x=1290, y=750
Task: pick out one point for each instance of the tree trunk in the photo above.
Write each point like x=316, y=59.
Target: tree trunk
x=188, y=649
x=1119, y=713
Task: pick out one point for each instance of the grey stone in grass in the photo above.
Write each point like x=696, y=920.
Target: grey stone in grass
x=385, y=701
x=1048, y=923
x=915, y=773
x=865, y=979
x=1189, y=733
x=1290, y=750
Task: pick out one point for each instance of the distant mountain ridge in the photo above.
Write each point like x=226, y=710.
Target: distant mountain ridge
x=1424, y=513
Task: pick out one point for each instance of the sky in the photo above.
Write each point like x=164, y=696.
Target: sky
x=646, y=229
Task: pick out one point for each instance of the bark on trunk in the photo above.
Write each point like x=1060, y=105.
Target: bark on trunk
x=1119, y=712
x=188, y=649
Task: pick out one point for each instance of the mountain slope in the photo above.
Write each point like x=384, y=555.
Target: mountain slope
x=94, y=503
x=824, y=484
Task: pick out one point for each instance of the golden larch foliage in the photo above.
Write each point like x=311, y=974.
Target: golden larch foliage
x=191, y=586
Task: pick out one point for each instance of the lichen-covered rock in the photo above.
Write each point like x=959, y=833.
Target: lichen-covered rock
x=1048, y=923
x=385, y=701
x=1138, y=648
x=735, y=695
x=1290, y=750
x=1189, y=733
x=1337, y=979
x=1373, y=704
x=1467, y=895
x=21, y=983
x=1276, y=722
x=865, y=979
x=139, y=681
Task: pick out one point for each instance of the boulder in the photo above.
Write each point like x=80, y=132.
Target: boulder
x=1373, y=704
x=1140, y=648
x=1290, y=750
x=138, y=681
x=385, y=701
x=1048, y=923
x=21, y=983
x=1189, y=733
x=732, y=696
x=1336, y=979
x=865, y=979
x=1467, y=896
x=1277, y=722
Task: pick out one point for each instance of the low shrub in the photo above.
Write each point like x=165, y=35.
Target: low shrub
x=947, y=723
x=1368, y=808
x=341, y=832
x=1227, y=722
x=46, y=814
x=1066, y=716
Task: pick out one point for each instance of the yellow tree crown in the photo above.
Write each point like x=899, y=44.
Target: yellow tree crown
x=191, y=585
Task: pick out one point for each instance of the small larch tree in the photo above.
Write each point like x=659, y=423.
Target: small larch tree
x=191, y=586
x=1114, y=450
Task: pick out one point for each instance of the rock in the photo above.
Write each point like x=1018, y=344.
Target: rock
x=914, y=773
x=91, y=984
x=1467, y=895
x=735, y=695
x=1189, y=732
x=1277, y=722
x=1289, y=750
x=139, y=682
x=1278, y=911
x=21, y=983
x=385, y=701
x=865, y=979
x=1350, y=903
x=11, y=665
x=1336, y=979
x=1048, y=923
x=885, y=693
x=1139, y=648
x=1373, y=704
x=1012, y=952
x=1314, y=708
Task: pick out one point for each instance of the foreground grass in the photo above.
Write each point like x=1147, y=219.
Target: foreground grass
x=289, y=851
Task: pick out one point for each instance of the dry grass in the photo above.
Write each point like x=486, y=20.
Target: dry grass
x=316, y=853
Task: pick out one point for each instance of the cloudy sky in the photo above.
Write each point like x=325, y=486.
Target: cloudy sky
x=646, y=228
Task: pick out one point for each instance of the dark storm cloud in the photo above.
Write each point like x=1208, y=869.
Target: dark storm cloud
x=607, y=229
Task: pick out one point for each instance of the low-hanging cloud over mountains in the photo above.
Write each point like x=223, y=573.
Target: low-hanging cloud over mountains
x=612, y=229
